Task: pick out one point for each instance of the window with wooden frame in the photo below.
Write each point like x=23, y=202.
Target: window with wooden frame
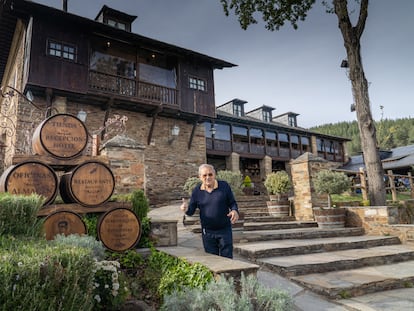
x=61, y=50
x=197, y=84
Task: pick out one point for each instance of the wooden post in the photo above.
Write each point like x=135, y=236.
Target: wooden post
x=95, y=145
x=392, y=185
x=410, y=179
x=363, y=184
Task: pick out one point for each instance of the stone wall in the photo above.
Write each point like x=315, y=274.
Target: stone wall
x=381, y=220
x=303, y=169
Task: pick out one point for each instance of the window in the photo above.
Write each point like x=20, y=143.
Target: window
x=116, y=24
x=197, y=84
x=61, y=50
x=266, y=116
x=238, y=110
x=292, y=121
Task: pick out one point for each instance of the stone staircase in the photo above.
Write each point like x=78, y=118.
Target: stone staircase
x=336, y=263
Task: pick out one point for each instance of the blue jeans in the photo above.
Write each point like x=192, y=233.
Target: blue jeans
x=218, y=242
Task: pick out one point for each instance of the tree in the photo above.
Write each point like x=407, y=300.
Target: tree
x=276, y=12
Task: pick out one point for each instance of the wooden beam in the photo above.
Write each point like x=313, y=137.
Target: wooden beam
x=190, y=141
x=154, y=117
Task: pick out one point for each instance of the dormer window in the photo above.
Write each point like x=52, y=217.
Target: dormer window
x=116, y=24
x=238, y=110
x=292, y=120
x=267, y=116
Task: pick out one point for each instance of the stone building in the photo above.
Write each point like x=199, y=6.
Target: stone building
x=150, y=104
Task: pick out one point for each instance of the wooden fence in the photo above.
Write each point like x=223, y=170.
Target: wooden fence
x=394, y=183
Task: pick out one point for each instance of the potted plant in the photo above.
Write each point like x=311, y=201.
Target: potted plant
x=330, y=182
x=278, y=185
x=247, y=185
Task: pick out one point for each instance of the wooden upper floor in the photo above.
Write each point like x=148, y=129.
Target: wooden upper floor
x=93, y=60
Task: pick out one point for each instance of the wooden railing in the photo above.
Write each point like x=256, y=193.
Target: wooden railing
x=145, y=91
x=393, y=183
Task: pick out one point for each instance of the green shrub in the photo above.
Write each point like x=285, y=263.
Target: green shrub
x=331, y=182
x=45, y=276
x=85, y=241
x=177, y=274
x=234, y=179
x=190, y=184
x=18, y=215
x=91, y=222
x=222, y=295
x=278, y=183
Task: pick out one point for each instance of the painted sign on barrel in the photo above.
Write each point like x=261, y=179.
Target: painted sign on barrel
x=89, y=184
x=62, y=136
x=119, y=229
x=30, y=177
x=65, y=223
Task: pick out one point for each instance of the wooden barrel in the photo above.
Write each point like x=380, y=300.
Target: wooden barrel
x=30, y=177
x=330, y=218
x=278, y=208
x=89, y=184
x=63, y=222
x=119, y=229
x=62, y=136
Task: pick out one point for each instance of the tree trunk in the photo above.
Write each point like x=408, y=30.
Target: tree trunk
x=369, y=145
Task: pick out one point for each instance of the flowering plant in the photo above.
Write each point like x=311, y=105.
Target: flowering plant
x=109, y=290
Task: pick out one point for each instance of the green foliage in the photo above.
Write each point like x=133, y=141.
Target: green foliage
x=85, y=241
x=190, y=184
x=176, y=274
x=331, y=182
x=278, y=182
x=248, y=10
x=222, y=295
x=390, y=133
x=247, y=182
x=44, y=276
x=109, y=289
x=140, y=204
x=129, y=259
x=234, y=179
x=91, y=222
x=18, y=214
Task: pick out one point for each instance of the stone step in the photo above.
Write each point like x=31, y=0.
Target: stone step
x=277, y=223
x=290, y=247
x=216, y=264
x=289, y=266
x=297, y=233
x=361, y=281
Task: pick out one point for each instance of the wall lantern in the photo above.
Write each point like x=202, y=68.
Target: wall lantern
x=82, y=115
x=175, y=131
x=213, y=130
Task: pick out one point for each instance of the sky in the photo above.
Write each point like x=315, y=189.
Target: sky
x=290, y=70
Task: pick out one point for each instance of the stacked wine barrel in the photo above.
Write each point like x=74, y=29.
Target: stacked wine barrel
x=84, y=182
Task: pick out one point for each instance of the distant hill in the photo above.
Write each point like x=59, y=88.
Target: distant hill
x=390, y=133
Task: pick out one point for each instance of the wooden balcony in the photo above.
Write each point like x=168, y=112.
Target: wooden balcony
x=143, y=91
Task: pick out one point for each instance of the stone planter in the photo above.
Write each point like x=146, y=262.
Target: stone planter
x=278, y=206
x=330, y=218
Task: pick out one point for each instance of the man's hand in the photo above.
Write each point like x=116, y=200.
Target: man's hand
x=184, y=205
x=234, y=216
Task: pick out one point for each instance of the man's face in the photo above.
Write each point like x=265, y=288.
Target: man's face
x=207, y=177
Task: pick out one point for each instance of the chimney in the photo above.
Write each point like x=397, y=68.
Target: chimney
x=65, y=5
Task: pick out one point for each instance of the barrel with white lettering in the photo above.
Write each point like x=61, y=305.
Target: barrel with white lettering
x=30, y=177
x=119, y=229
x=61, y=136
x=89, y=184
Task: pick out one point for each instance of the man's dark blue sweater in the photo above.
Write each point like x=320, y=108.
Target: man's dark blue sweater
x=213, y=206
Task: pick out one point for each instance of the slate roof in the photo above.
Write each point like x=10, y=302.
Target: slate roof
x=396, y=158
